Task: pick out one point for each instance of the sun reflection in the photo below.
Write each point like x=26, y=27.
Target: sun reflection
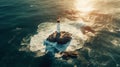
x=84, y=5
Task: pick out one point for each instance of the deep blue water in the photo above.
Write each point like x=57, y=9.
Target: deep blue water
x=18, y=19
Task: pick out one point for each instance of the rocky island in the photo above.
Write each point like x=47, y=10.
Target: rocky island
x=58, y=41
x=61, y=38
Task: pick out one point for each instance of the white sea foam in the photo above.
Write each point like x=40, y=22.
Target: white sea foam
x=45, y=29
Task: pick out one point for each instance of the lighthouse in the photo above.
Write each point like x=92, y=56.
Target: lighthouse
x=58, y=25
x=58, y=40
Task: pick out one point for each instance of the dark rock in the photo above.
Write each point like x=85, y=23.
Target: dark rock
x=70, y=54
x=61, y=38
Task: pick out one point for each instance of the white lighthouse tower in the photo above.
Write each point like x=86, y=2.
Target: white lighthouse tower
x=58, y=25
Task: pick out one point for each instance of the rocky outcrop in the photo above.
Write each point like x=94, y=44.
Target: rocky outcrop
x=61, y=38
x=70, y=54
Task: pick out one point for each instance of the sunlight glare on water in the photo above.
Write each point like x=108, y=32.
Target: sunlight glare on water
x=84, y=5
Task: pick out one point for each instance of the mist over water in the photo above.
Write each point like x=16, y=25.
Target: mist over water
x=29, y=22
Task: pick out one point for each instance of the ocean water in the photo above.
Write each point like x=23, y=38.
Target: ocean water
x=29, y=22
